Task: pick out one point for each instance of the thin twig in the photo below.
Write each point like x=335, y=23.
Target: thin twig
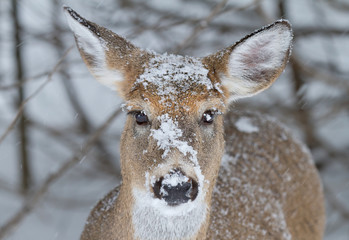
x=338, y=5
x=318, y=74
x=335, y=203
x=33, y=201
x=38, y=90
x=325, y=32
x=201, y=26
x=16, y=85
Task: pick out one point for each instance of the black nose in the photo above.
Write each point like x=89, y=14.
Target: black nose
x=175, y=188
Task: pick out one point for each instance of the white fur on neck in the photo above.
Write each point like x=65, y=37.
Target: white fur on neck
x=153, y=219
x=94, y=46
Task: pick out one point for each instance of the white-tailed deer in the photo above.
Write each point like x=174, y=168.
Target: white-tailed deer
x=190, y=169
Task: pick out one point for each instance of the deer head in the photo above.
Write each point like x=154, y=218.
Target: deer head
x=173, y=140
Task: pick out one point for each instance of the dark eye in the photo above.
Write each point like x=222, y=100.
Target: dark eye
x=141, y=118
x=208, y=117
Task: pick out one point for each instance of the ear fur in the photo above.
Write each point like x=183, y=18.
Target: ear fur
x=255, y=62
x=110, y=58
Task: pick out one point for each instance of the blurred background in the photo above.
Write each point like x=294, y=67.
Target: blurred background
x=60, y=129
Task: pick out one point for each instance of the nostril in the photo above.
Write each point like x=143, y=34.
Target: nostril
x=157, y=188
x=194, y=190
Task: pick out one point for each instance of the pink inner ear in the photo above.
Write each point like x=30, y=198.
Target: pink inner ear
x=261, y=55
x=257, y=55
x=256, y=61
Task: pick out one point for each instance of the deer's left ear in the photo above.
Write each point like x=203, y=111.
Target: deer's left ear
x=255, y=62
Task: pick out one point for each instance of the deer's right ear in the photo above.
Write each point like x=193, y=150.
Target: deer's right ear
x=109, y=57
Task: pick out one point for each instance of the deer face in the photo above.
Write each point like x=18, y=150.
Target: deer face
x=173, y=139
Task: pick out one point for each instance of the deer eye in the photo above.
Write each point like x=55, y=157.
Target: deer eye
x=140, y=117
x=208, y=117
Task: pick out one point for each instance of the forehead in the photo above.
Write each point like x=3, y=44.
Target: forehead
x=173, y=83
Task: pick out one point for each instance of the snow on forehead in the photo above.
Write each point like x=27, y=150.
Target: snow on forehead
x=174, y=74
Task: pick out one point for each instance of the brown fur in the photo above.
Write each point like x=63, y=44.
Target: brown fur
x=238, y=208
x=270, y=160
x=267, y=186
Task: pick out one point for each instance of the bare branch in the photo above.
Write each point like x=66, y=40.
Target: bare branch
x=319, y=74
x=326, y=32
x=38, y=90
x=23, y=138
x=335, y=203
x=339, y=5
x=19, y=84
x=202, y=25
x=52, y=178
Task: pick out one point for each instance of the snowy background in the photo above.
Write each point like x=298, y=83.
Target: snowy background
x=60, y=129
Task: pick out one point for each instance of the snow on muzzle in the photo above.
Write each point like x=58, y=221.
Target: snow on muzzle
x=175, y=188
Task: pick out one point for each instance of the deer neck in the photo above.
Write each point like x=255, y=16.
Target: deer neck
x=143, y=217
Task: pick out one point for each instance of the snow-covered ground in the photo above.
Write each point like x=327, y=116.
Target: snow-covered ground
x=163, y=26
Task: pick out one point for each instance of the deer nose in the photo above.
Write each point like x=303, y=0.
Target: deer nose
x=176, y=188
